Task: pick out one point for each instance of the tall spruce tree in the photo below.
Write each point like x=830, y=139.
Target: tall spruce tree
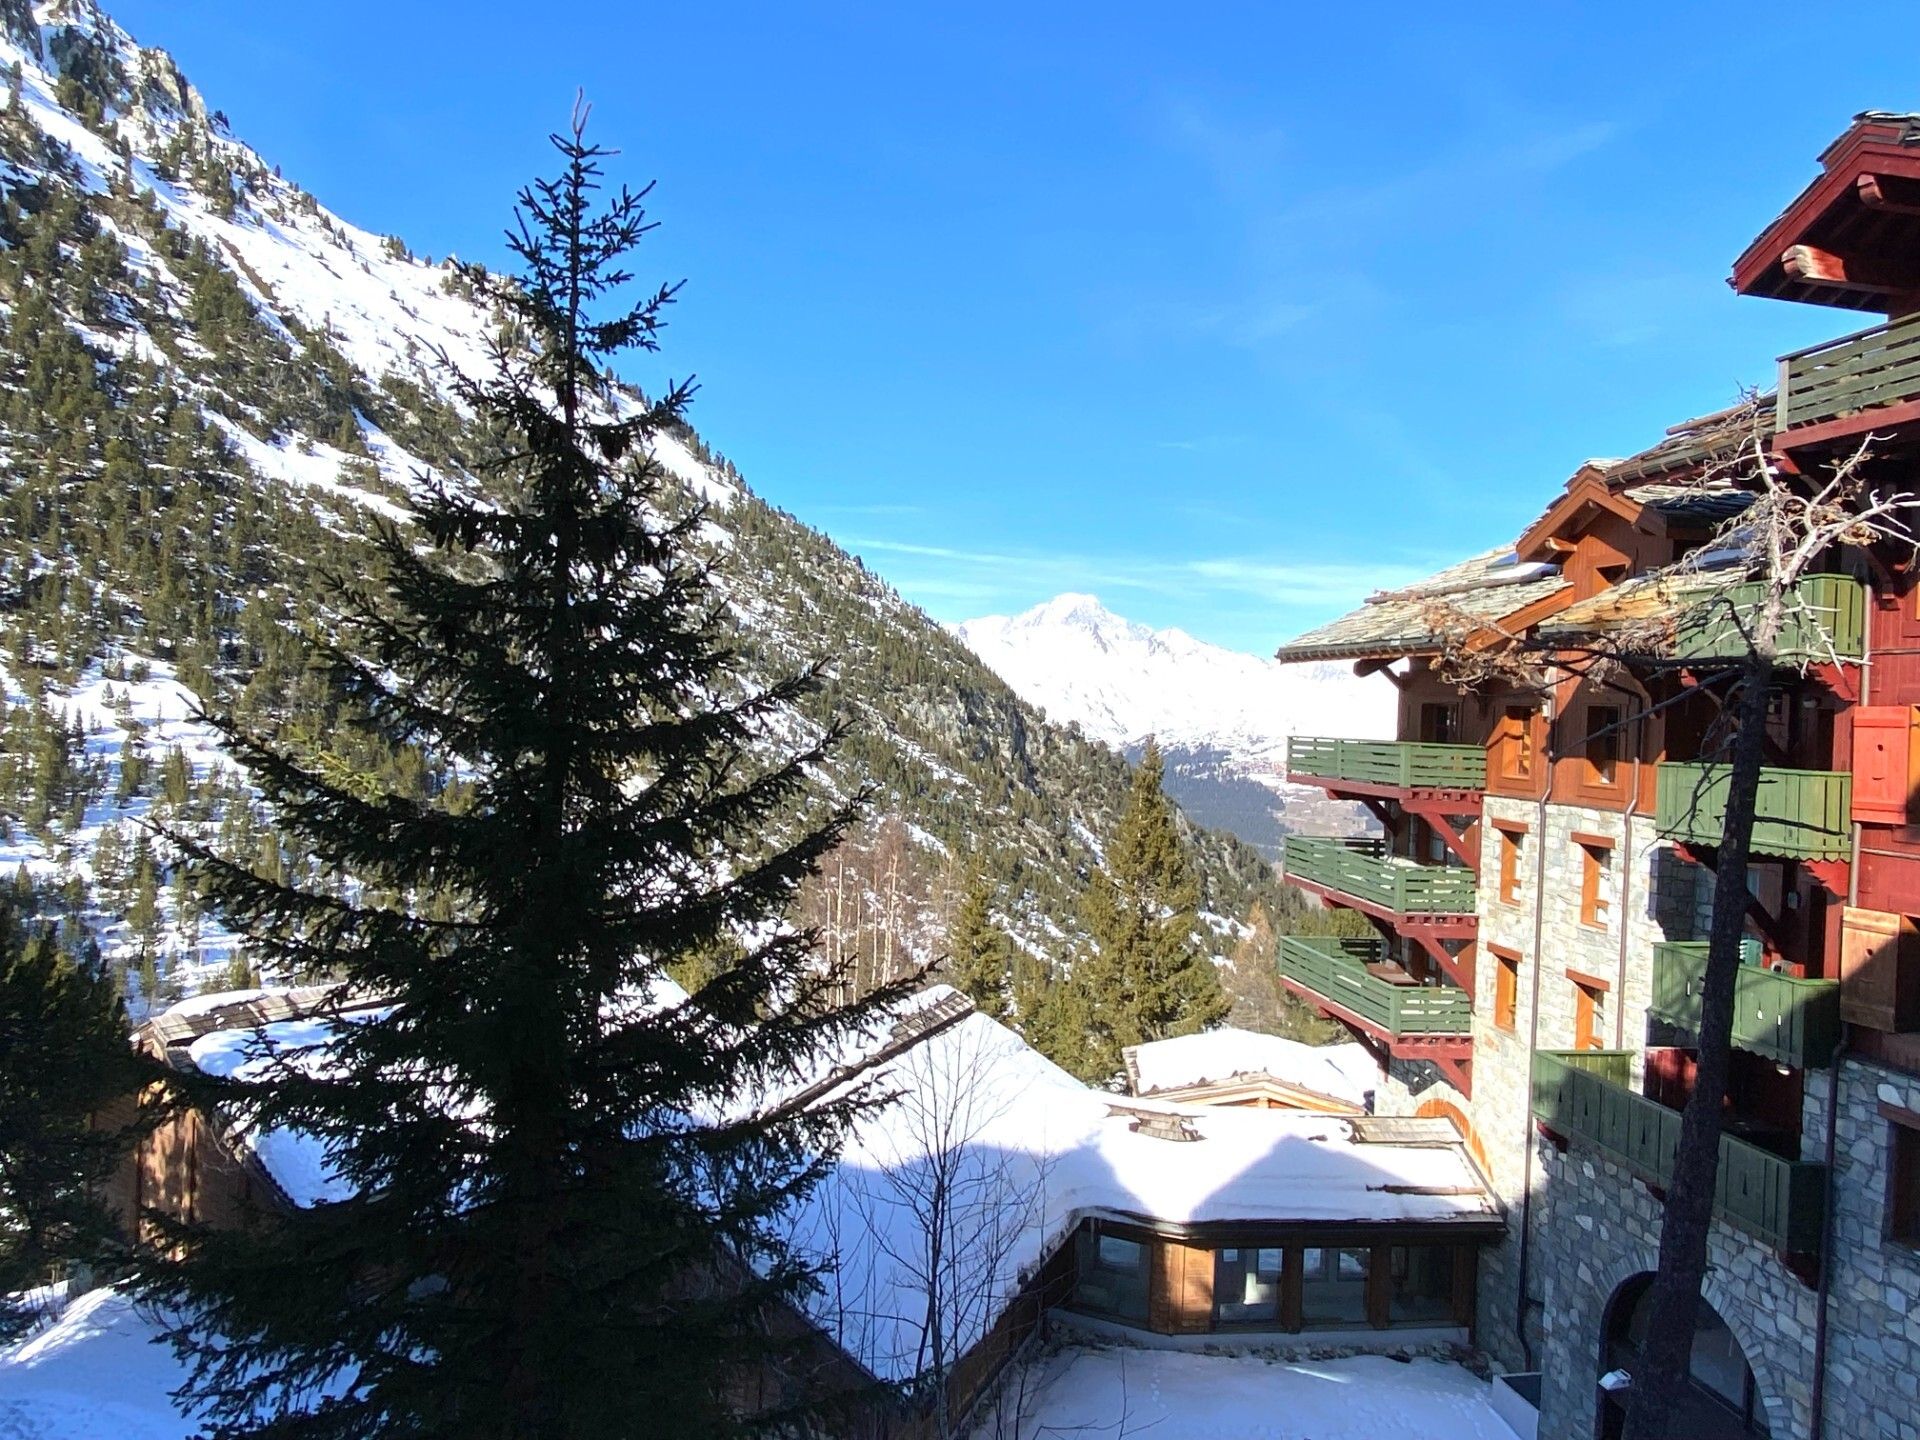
x=68, y=1079
x=979, y=952
x=568, y=1184
x=1145, y=978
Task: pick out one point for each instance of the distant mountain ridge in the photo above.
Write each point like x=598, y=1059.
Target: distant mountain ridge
x=210, y=384
x=1221, y=717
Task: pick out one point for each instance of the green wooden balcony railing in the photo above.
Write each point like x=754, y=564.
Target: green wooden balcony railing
x=1406, y=764
x=1824, y=619
x=1336, y=971
x=1798, y=815
x=1857, y=372
x=1585, y=1093
x=1785, y=1018
x=1362, y=869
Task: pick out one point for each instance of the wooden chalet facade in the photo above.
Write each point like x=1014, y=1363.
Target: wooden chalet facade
x=1542, y=892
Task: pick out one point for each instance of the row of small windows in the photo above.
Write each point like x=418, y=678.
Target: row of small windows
x=1281, y=1287
x=1596, y=872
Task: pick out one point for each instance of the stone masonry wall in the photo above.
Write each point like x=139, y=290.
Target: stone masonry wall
x=1597, y=1228
x=1873, y=1315
x=1652, y=894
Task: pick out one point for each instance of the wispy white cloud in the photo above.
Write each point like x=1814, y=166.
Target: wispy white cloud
x=1249, y=600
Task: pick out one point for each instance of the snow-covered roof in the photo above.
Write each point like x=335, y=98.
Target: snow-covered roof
x=1489, y=586
x=1033, y=1151
x=1339, y=1072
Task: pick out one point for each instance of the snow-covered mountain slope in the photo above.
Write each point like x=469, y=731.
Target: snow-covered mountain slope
x=1221, y=717
x=1121, y=682
x=209, y=383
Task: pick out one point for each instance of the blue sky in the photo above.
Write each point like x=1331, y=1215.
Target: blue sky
x=1228, y=313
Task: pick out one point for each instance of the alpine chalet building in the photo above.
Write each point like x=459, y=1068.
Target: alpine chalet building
x=1541, y=887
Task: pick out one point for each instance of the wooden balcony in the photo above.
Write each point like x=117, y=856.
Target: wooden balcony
x=1825, y=621
x=1799, y=814
x=1793, y=1021
x=1586, y=1094
x=1356, y=982
x=1849, y=386
x=1360, y=874
x=1385, y=767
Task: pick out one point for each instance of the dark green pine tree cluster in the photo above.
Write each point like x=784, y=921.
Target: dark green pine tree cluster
x=567, y=1183
x=67, y=1081
x=1141, y=975
x=980, y=955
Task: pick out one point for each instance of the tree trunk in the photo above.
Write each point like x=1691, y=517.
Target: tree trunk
x=1660, y=1374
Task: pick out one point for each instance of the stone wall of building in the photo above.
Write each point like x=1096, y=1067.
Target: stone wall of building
x=1873, y=1304
x=1597, y=1229
x=1651, y=895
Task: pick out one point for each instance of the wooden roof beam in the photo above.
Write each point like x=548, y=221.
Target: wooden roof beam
x=1811, y=265
x=1889, y=194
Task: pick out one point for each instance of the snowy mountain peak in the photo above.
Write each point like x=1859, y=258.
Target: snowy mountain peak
x=1221, y=717
x=1121, y=681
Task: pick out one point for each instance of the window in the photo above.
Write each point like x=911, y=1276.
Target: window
x=1508, y=839
x=1112, y=1276
x=1506, y=987
x=1722, y=1399
x=1420, y=1285
x=1514, y=746
x=1333, y=1288
x=1596, y=879
x=1439, y=724
x=1603, y=744
x=1903, y=1174
x=1589, y=1014
x=1246, y=1285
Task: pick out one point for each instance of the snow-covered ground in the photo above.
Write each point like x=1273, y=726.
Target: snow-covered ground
x=1106, y=1393
x=97, y=1371
x=161, y=715
x=93, y=1373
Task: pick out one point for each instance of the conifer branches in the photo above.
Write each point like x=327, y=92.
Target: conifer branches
x=567, y=1178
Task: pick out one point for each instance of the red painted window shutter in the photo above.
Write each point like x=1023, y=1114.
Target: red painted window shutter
x=1885, y=757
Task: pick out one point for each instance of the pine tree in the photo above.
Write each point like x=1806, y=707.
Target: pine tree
x=67, y=1077
x=979, y=953
x=1144, y=977
x=569, y=1185
x=1054, y=1013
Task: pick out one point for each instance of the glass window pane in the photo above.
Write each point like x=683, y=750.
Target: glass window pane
x=1333, y=1289
x=1246, y=1286
x=1421, y=1292
x=1112, y=1277
x=1717, y=1362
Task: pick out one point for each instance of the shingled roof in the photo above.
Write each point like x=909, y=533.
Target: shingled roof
x=1692, y=443
x=1646, y=597
x=1393, y=623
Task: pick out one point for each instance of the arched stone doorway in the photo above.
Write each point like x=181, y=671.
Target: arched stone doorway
x=1722, y=1402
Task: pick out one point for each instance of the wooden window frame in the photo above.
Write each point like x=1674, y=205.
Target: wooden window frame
x=1448, y=712
x=1507, y=838
x=1514, y=730
x=1903, y=1130
x=1596, y=908
x=1588, y=1003
x=1506, y=988
x=1168, y=1313
x=1594, y=777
